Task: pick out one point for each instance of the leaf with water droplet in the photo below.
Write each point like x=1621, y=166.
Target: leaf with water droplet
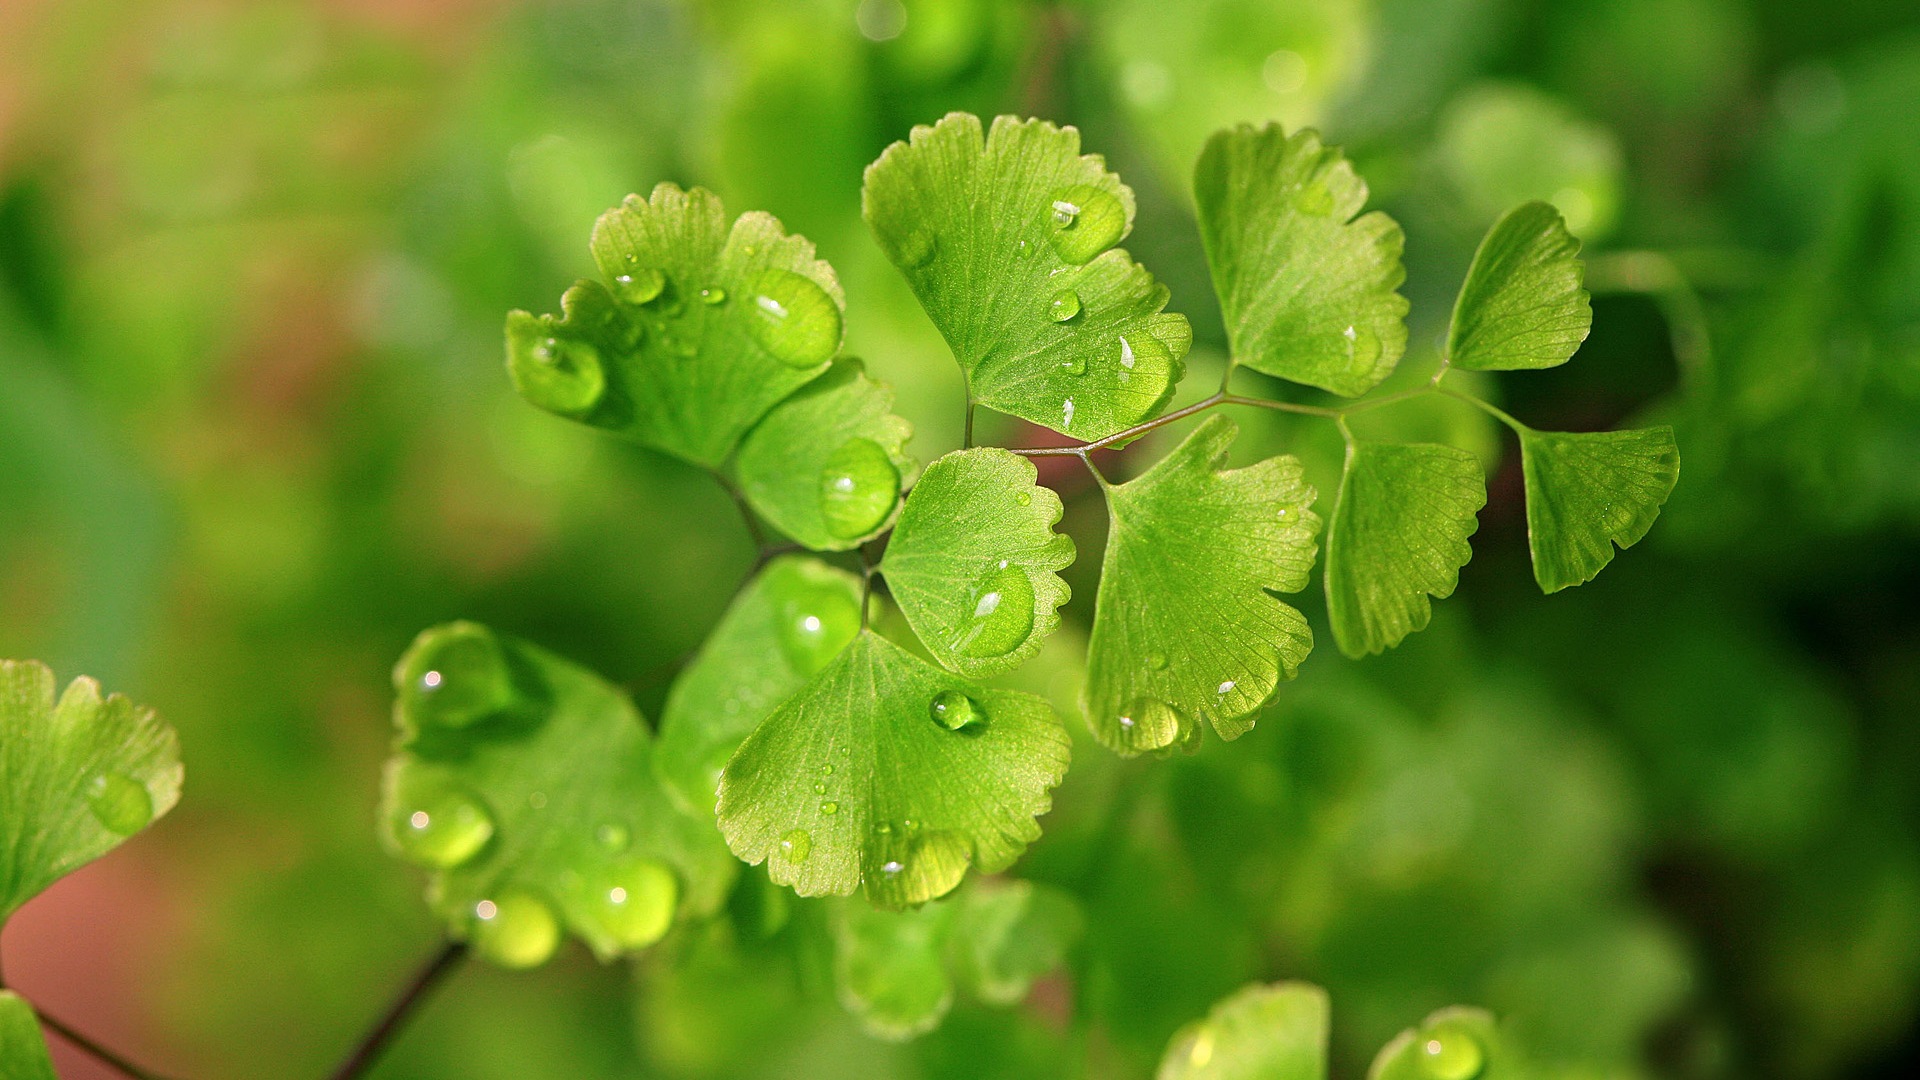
x=1195, y=553
x=683, y=377
x=1523, y=305
x=559, y=764
x=1293, y=267
x=23, y=1051
x=974, y=568
x=827, y=465
x=83, y=773
x=1455, y=1043
x=1398, y=535
x=973, y=797
x=955, y=711
x=1590, y=491
x=992, y=291
x=783, y=628
x=1260, y=1032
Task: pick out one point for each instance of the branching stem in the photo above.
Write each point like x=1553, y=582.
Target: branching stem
x=96, y=1051
x=368, y=1052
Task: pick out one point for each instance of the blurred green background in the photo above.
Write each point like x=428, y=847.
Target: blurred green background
x=255, y=433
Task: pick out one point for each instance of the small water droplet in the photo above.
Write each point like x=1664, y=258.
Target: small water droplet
x=713, y=296
x=1064, y=305
x=613, y=836
x=1145, y=368
x=1066, y=410
x=858, y=488
x=439, y=824
x=955, y=711
x=640, y=286
x=1073, y=365
x=1085, y=221
x=1448, y=1051
x=1363, y=346
x=1023, y=498
x=455, y=676
x=910, y=825
x=819, y=789
x=796, y=846
x=560, y=374
x=829, y=807
x=1315, y=200
x=1157, y=661
x=515, y=929
x=885, y=828
x=814, y=619
x=1148, y=724
x=828, y=768
x=793, y=319
x=119, y=802
x=892, y=866
x=632, y=901
x=998, y=617
x=1225, y=688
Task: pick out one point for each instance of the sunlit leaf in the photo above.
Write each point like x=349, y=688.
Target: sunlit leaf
x=1588, y=492
x=23, y=1052
x=525, y=784
x=1276, y=1032
x=1522, y=305
x=887, y=770
x=973, y=561
x=1307, y=288
x=1398, y=535
x=1186, y=627
x=78, y=776
x=1455, y=1043
x=1007, y=240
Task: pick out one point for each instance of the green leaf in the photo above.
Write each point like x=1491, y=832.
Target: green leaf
x=1399, y=534
x=1186, y=626
x=1587, y=492
x=81, y=775
x=1008, y=933
x=1276, y=1032
x=1455, y=1043
x=697, y=331
x=889, y=967
x=525, y=783
x=1008, y=243
x=23, y=1052
x=1307, y=289
x=827, y=465
x=888, y=770
x=972, y=561
x=1522, y=306
x=786, y=625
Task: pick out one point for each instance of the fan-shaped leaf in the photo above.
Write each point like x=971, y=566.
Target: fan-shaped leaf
x=1522, y=305
x=1588, y=492
x=1455, y=1043
x=1276, y=1032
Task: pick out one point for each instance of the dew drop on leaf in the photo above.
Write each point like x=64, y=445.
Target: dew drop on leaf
x=516, y=929
x=1448, y=1051
x=632, y=901
x=1149, y=723
x=1157, y=661
x=713, y=295
x=1084, y=222
x=559, y=374
x=440, y=826
x=1064, y=305
x=1363, y=346
x=858, y=487
x=1074, y=365
x=1023, y=498
x=456, y=677
x=640, y=286
x=955, y=711
x=120, y=803
x=1145, y=368
x=816, y=621
x=793, y=319
x=829, y=807
x=999, y=614
x=796, y=846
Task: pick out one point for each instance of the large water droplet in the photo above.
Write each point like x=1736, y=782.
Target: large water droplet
x=1084, y=222
x=793, y=319
x=999, y=614
x=815, y=620
x=640, y=286
x=439, y=824
x=858, y=487
x=1064, y=305
x=1149, y=724
x=954, y=710
x=119, y=802
x=1448, y=1051
x=558, y=373
x=1363, y=346
x=456, y=676
x=632, y=901
x=1315, y=200
x=796, y=846
x=515, y=929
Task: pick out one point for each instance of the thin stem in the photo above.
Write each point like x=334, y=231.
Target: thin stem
x=95, y=1050
x=1517, y=426
x=966, y=443
x=402, y=1010
x=752, y=523
x=1122, y=436
x=1283, y=406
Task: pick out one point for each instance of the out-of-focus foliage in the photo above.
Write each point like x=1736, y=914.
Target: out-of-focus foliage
x=256, y=431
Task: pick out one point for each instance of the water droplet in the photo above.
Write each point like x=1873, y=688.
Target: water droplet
x=1149, y=724
x=885, y=828
x=845, y=751
x=559, y=374
x=796, y=846
x=819, y=789
x=1145, y=369
x=1023, y=498
x=1157, y=661
x=1073, y=365
x=1315, y=200
x=632, y=901
x=515, y=929
x=640, y=286
x=1066, y=410
x=829, y=807
x=119, y=802
x=828, y=768
x=892, y=866
x=814, y=620
x=713, y=295
x=1085, y=221
x=1225, y=688
x=858, y=487
x=998, y=617
x=439, y=824
x=1448, y=1051
x=955, y=711
x=1064, y=305
x=455, y=676
x=1363, y=346
x=613, y=836
x=793, y=319
x=910, y=825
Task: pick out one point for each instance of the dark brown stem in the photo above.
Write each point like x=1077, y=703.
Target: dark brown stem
x=96, y=1051
x=375, y=1043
